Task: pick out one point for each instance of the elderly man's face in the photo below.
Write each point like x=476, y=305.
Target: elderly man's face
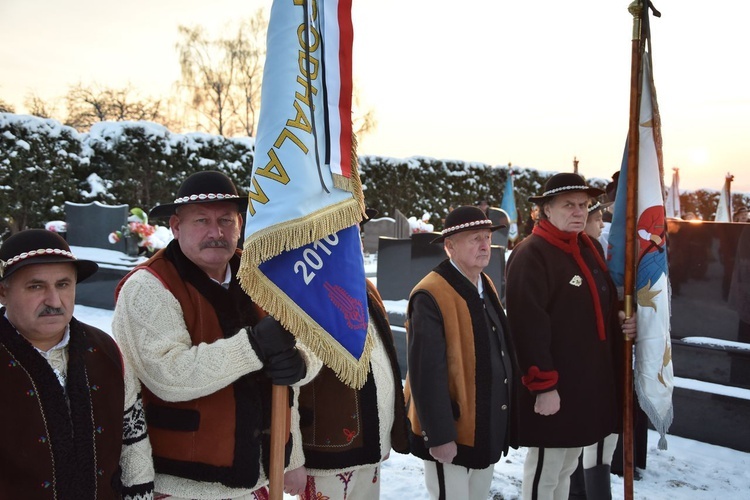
x=470, y=250
x=568, y=211
x=39, y=301
x=208, y=234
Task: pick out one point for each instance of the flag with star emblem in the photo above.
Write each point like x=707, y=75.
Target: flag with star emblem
x=652, y=372
x=302, y=258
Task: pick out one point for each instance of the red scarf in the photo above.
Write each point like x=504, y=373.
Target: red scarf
x=568, y=242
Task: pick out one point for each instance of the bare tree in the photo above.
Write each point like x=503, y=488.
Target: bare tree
x=363, y=120
x=250, y=46
x=37, y=106
x=6, y=107
x=208, y=71
x=89, y=105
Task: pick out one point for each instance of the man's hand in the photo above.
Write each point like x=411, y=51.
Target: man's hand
x=547, y=403
x=445, y=453
x=286, y=368
x=269, y=338
x=629, y=326
x=295, y=481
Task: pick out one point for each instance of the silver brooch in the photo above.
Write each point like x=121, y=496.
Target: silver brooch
x=576, y=281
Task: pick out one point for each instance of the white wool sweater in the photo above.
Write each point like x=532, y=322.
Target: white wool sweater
x=149, y=326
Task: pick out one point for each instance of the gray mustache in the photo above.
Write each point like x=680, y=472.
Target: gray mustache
x=215, y=244
x=52, y=311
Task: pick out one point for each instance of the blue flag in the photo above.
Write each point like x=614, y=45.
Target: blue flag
x=509, y=205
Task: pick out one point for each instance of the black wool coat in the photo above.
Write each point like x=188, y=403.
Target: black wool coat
x=553, y=326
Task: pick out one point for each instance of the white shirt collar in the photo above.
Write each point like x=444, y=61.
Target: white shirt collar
x=480, y=287
x=227, y=278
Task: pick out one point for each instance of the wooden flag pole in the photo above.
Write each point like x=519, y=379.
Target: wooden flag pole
x=279, y=434
x=635, y=9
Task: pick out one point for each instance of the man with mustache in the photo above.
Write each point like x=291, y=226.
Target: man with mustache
x=72, y=417
x=206, y=354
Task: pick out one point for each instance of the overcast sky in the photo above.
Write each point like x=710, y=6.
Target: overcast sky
x=494, y=81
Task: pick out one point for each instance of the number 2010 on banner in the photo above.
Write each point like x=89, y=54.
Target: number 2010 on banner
x=312, y=259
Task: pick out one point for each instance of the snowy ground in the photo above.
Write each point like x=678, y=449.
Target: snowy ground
x=687, y=470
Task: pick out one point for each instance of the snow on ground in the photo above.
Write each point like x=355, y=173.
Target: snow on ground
x=688, y=470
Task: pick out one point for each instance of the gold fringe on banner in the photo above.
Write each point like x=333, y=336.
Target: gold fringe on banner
x=288, y=235
x=351, y=371
x=270, y=242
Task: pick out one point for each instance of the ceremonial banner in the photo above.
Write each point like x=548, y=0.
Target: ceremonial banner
x=302, y=260
x=653, y=372
x=724, y=208
x=509, y=205
x=672, y=203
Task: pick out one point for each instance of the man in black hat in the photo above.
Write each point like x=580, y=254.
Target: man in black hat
x=565, y=325
x=206, y=354
x=458, y=384
x=72, y=419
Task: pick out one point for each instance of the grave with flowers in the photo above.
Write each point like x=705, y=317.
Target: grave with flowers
x=116, y=237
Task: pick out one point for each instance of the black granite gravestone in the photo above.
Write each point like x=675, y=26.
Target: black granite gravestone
x=394, y=259
x=89, y=224
x=374, y=229
x=499, y=216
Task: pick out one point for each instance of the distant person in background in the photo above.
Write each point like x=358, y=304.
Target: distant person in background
x=531, y=220
x=741, y=215
x=458, y=387
x=484, y=206
x=72, y=418
x=595, y=225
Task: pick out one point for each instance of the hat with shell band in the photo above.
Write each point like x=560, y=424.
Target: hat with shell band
x=466, y=218
x=565, y=183
x=202, y=187
x=598, y=205
x=39, y=246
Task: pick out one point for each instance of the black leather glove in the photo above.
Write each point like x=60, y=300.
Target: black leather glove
x=286, y=367
x=269, y=338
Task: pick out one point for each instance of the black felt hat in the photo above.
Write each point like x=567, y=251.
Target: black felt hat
x=466, y=218
x=202, y=187
x=598, y=205
x=370, y=213
x=565, y=183
x=39, y=246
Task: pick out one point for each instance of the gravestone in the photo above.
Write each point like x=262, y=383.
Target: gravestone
x=403, y=230
x=499, y=216
x=89, y=224
x=374, y=229
x=394, y=260
x=402, y=263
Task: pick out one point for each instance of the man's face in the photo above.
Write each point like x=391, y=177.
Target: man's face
x=39, y=300
x=742, y=216
x=208, y=234
x=470, y=250
x=594, y=224
x=568, y=211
